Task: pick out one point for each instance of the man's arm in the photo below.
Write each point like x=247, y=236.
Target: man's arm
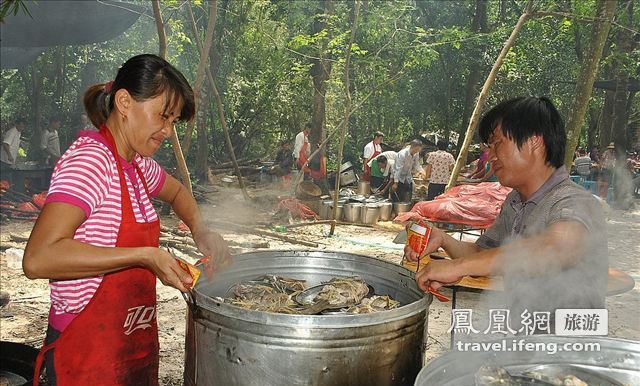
x=427, y=171
x=561, y=245
x=417, y=167
x=7, y=150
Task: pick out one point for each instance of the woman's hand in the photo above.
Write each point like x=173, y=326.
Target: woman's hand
x=167, y=269
x=212, y=244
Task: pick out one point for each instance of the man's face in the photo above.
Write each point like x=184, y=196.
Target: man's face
x=415, y=149
x=285, y=146
x=20, y=126
x=510, y=164
x=55, y=125
x=377, y=140
x=382, y=165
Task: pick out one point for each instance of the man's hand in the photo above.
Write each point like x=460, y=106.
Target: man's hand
x=436, y=239
x=394, y=187
x=438, y=273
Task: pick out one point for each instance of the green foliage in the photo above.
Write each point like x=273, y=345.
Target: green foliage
x=12, y=7
x=409, y=67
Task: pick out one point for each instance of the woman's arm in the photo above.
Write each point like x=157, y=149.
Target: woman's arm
x=184, y=205
x=52, y=253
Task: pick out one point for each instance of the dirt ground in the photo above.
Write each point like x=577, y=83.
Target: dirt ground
x=24, y=319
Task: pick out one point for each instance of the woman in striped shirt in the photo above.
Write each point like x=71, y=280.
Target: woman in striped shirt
x=97, y=236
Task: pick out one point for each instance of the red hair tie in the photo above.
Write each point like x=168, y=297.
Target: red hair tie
x=108, y=86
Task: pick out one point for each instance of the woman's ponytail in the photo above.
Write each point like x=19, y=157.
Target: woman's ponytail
x=96, y=104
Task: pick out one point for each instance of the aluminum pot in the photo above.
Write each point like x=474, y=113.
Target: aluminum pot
x=353, y=212
x=385, y=211
x=401, y=207
x=325, y=209
x=371, y=213
x=228, y=345
x=617, y=359
x=364, y=188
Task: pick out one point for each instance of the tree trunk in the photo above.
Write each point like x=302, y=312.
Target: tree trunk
x=625, y=45
x=223, y=122
x=162, y=36
x=180, y=162
x=478, y=25
x=606, y=119
x=347, y=112
x=584, y=84
x=320, y=72
x=200, y=73
x=462, y=156
x=202, y=155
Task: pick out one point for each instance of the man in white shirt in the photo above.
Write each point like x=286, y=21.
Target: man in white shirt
x=381, y=170
x=438, y=170
x=11, y=144
x=301, y=148
x=50, y=142
x=371, y=150
x=407, y=164
x=9, y=149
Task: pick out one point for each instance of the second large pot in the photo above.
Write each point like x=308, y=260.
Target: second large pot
x=228, y=345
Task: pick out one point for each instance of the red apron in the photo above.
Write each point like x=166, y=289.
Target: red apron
x=114, y=340
x=302, y=156
x=367, y=169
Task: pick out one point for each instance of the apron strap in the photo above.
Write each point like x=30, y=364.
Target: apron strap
x=39, y=360
x=126, y=200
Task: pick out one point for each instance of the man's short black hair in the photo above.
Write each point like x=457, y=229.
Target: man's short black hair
x=381, y=159
x=21, y=120
x=523, y=117
x=442, y=145
x=378, y=134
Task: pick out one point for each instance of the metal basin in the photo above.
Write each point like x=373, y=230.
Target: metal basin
x=617, y=359
x=228, y=345
x=401, y=207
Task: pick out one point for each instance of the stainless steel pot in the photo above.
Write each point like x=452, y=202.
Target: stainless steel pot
x=325, y=209
x=353, y=212
x=371, y=213
x=227, y=345
x=364, y=188
x=401, y=207
x=616, y=358
x=385, y=211
x=339, y=211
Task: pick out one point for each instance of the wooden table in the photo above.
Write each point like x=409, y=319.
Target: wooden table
x=618, y=282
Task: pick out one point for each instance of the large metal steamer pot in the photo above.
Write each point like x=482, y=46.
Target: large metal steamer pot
x=617, y=359
x=228, y=345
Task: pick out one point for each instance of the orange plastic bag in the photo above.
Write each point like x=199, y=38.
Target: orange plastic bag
x=191, y=270
x=418, y=236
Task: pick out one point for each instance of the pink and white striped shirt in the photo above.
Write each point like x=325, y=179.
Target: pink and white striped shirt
x=87, y=176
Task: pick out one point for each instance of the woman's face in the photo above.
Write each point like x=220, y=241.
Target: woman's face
x=149, y=123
